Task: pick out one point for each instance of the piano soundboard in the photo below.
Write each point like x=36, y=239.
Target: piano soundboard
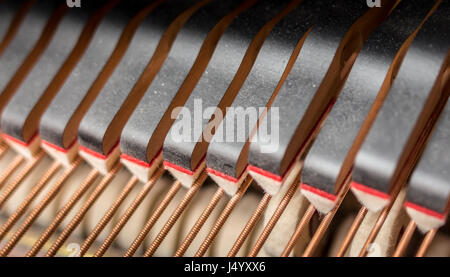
x=224, y=128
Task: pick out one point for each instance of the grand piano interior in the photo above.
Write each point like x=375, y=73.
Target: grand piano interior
x=224, y=128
